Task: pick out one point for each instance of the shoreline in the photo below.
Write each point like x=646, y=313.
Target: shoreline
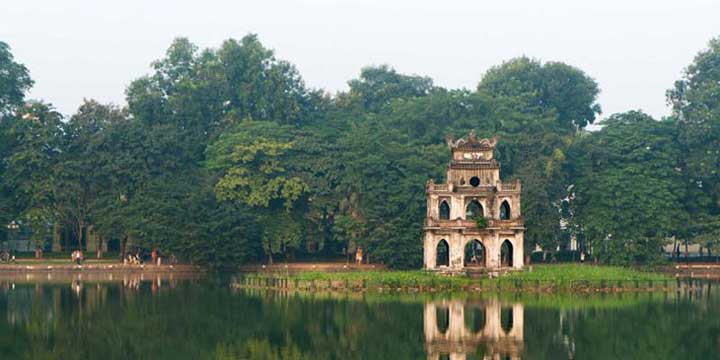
x=45, y=267
x=546, y=278
x=288, y=284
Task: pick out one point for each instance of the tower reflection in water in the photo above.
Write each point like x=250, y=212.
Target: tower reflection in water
x=458, y=330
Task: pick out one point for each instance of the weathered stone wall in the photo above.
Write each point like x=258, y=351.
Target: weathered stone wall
x=457, y=240
x=473, y=157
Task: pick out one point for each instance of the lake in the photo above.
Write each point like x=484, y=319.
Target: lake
x=175, y=316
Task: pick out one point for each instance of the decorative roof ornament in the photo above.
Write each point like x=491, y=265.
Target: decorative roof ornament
x=472, y=142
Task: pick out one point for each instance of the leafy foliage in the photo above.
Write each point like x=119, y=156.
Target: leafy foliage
x=481, y=222
x=224, y=156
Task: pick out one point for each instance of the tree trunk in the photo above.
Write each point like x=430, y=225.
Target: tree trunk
x=80, y=234
x=99, y=248
x=123, y=248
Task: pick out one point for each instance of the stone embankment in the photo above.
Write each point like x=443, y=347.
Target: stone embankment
x=709, y=271
x=289, y=283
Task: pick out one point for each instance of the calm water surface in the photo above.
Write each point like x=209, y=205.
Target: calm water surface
x=161, y=317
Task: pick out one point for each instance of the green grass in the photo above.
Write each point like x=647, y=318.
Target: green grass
x=387, y=278
x=576, y=272
x=557, y=276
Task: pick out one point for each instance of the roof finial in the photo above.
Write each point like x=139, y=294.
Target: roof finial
x=450, y=141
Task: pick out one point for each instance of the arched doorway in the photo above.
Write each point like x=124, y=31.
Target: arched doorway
x=505, y=211
x=442, y=314
x=475, y=319
x=473, y=210
x=506, y=319
x=444, y=210
x=442, y=257
x=475, y=254
x=506, y=254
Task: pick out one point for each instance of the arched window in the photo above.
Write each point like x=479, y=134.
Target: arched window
x=442, y=314
x=475, y=319
x=444, y=210
x=506, y=319
x=505, y=211
x=442, y=257
x=506, y=254
x=473, y=210
x=474, y=254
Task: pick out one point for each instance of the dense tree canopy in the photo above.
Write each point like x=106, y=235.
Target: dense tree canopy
x=629, y=193
x=551, y=87
x=224, y=156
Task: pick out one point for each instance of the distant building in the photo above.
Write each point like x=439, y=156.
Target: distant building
x=473, y=220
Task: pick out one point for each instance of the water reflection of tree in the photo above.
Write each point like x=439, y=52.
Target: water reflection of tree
x=650, y=326
x=206, y=320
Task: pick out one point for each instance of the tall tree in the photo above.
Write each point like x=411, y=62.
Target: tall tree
x=695, y=100
x=628, y=189
x=256, y=172
x=552, y=86
x=15, y=81
x=378, y=85
x=77, y=177
x=37, y=138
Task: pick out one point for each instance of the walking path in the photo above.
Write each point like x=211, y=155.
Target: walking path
x=60, y=265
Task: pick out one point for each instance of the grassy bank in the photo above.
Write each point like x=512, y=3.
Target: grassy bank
x=538, y=278
x=576, y=272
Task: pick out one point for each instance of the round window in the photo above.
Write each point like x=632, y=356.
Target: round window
x=475, y=181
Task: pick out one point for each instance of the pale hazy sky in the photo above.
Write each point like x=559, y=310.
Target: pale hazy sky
x=635, y=49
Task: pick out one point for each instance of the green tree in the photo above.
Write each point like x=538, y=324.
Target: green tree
x=77, y=179
x=255, y=172
x=378, y=85
x=36, y=150
x=15, y=81
x=628, y=190
x=695, y=100
x=552, y=87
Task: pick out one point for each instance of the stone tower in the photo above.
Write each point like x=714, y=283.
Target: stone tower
x=473, y=220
